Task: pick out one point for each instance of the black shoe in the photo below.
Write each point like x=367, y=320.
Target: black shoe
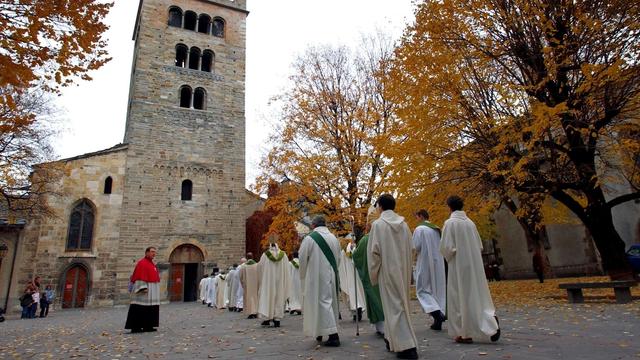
x=266, y=323
x=359, y=312
x=334, y=341
x=438, y=319
x=136, y=331
x=299, y=312
x=149, y=330
x=239, y=309
x=276, y=323
x=380, y=334
x=495, y=337
x=408, y=354
x=319, y=339
x=386, y=343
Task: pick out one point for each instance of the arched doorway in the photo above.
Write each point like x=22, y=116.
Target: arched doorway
x=75, y=287
x=186, y=270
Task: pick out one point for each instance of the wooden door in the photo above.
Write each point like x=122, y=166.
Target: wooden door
x=75, y=288
x=176, y=285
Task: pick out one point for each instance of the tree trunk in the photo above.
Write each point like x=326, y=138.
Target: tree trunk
x=598, y=220
x=534, y=234
x=609, y=243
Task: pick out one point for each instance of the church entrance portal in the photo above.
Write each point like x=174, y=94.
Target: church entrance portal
x=186, y=269
x=74, y=294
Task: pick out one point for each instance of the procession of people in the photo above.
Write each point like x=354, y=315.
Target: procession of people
x=375, y=274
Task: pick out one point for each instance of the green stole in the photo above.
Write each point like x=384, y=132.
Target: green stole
x=371, y=293
x=326, y=250
x=430, y=225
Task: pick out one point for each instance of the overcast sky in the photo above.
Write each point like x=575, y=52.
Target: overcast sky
x=277, y=32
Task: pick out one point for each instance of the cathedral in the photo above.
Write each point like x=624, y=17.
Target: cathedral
x=176, y=182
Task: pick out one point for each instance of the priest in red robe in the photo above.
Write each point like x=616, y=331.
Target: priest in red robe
x=144, y=310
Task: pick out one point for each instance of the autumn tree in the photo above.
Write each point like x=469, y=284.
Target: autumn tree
x=545, y=91
x=49, y=43
x=45, y=45
x=25, y=141
x=335, y=118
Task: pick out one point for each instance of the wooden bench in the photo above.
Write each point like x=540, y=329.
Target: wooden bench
x=622, y=289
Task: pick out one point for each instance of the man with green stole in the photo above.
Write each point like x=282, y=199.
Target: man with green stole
x=319, y=263
x=371, y=293
x=250, y=282
x=431, y=285
x=273, y=270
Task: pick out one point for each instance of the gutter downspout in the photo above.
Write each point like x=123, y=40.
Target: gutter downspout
x=13, y=264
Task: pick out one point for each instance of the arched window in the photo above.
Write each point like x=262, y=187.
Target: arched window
x=81, y=222
x=194, y=58
x=199, y=99
x=175, y=17
x=185, y=97
x=187, y=190
x=190, y=20
x=108, y=185
x=182, y=52
x=203, y=23
x=207, y=61
x=218, y=27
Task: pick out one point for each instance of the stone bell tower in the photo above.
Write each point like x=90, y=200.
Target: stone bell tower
x=185, y=167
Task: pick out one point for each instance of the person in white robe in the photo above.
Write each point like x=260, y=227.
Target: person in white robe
x=250, y=284
x=211, y=289
x=430, y=278
x=273, y=269
x=471, y=313
x=221, y=289
x=351, y=284
x=295, y=290
x=240, y=290
x=319, y=261
x=202, y=290
x=232, y=287
x=390, y=256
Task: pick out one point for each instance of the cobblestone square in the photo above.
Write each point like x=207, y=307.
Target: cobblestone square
x=193, y=331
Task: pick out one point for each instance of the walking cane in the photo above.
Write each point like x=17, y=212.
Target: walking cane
x=355, y=279
x=355, y=285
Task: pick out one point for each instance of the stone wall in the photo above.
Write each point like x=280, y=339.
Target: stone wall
x=42, y=247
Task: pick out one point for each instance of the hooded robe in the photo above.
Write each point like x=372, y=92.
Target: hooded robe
x=390, y=258
x=470, y=309
x=430, y=278
x=250, y=283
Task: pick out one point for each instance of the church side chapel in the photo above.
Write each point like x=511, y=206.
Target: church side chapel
x=177, y=182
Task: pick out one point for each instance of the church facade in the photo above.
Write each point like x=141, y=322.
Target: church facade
x=177, y=182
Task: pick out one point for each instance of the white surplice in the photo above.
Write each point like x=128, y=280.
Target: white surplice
x=349, y=282
x=250, y=283
x=320, y=316
x=211, y=290
x=431, y=288
x=239, y=291
x=295, y=290
x=390, y=256
x=221, y=289
x=202, y=289
x=232, y=287
x=274, y=286
x=471, y=313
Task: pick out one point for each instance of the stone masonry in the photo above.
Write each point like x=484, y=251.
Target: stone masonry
x=169, y=144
